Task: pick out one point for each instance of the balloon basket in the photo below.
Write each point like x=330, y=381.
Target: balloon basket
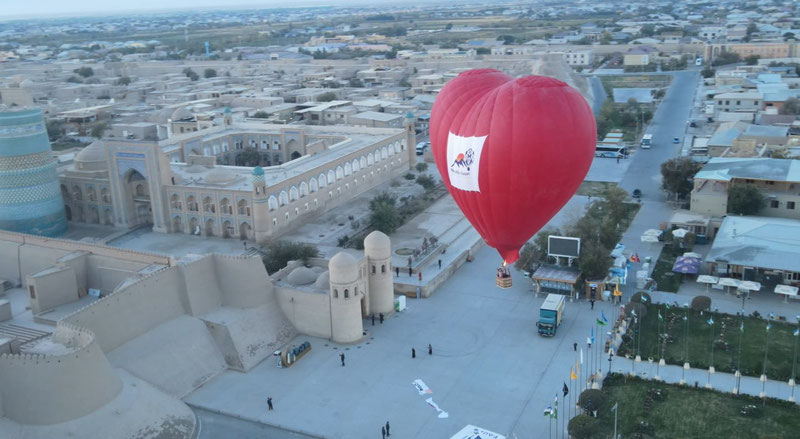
x=504, y=282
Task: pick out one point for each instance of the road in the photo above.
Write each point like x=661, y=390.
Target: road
x=599, y=93
x=644, y=173
x=213, y=426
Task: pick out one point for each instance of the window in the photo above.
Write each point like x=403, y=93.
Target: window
x=738, y=102
x=33, y=291
x=373, y=269
x=383, y=268
x=770, y=182
x=774, y=204
x=727, y=102
x=346, y=293
x=755, y=102
x=790, y=205
x=335, y=293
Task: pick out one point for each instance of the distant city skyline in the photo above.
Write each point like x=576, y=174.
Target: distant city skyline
x=51, y=8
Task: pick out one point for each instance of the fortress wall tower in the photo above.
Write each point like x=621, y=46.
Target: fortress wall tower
x=378, y=249
x=30, y=196
x=346, y=323
x=60, y=378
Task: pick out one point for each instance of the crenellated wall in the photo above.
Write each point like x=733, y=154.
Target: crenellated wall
x=59, y=378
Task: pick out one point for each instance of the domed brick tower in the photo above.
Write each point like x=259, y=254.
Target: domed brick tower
x=378, y=249
x=346, y=318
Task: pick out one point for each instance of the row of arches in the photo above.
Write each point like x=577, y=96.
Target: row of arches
x=90, y=215
x=76, y=193
x=225, y=206
x=226, y=230
x=338, y=173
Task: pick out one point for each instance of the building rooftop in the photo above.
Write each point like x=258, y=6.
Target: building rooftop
x=772, y=243
x=726, y=169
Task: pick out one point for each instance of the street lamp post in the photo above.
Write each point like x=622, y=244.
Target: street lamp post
x=685, y=344
x=711, y=365
x=766, y=350
x=739, y=360
x=794, y=357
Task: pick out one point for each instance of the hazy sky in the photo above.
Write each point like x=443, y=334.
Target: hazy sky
x=11, y=8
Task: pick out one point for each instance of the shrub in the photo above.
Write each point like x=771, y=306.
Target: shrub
x=592, y=399
x=409, y=176
x=279, y=253
x=641, y=297
x=701, y=303
x=426, y=181
x=582, y=427
x=343, y=240
x=421, y=167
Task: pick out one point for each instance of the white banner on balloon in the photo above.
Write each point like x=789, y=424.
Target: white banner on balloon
x=463, y=161
x=473, y=432
x=442, y=413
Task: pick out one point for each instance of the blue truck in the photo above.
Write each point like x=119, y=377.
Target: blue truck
x=550, y=314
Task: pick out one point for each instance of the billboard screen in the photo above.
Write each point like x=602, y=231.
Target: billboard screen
x=563, y=246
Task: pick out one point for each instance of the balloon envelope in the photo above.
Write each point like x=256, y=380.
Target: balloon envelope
x=511, y=151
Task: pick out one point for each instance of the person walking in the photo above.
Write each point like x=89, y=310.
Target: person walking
x=342, y=357
x=409, y=271
x=430, y=349
x=419, y=275
x=413, y=353
x=381, y=317
x=269, y=403
x=592, y=302
x=440, y=264
x=397, y=271
x=383, y=431
x=373, y=319
x=387, y=429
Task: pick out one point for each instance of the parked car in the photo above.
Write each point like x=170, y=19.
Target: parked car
x=676, y=140
x=421, y=146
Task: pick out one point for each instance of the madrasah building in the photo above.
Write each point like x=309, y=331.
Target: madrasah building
x=184, y=184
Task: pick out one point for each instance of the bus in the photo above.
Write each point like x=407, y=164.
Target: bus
x=647, y=141
x=610, y=150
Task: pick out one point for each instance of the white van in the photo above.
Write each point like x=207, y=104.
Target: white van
x=647, y=141
x=421, y=146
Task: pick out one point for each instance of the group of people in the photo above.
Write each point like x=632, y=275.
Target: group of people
x=414, y=351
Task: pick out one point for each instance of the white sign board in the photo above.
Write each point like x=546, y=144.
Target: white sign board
x=473, y=432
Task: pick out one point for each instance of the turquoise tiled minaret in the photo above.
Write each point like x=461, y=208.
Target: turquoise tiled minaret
x=30, y=198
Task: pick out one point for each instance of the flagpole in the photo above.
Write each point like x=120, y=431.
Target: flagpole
x=658, y=341
x=766, y=349
x=796, y=333
x=739, y=361
x=685, y=345
x=556, y=412
x=711, y=366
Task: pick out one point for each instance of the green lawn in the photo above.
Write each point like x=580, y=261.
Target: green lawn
x=666, y=279
x=594, y=188
x=726, y=334
x=687, y=412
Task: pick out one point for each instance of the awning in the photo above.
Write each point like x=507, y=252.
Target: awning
x=686, y=265
x=728, y=282
x=747, y=285
x=679, y=233
x=706, y=279
x=693, y=255
x=649, y=238
x=652, y=232
x=786, y=289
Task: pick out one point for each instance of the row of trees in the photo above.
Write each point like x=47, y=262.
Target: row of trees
x=600, y=229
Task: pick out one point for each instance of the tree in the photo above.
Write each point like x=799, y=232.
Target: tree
x=449, y=26
x=791, y=106
x=384, y=215
x=592, y=399
x=726, y=58
x=124, y=81
x=594, y=261
x=751, y=60
x=84, y=71
x=745, y=199
x=677, y=176
x=483, y=51
x=708, y=72
x=326, y=97
x=279, y=253
x=248, y=157
x=99, y=129
x=190, y=74
x=788, y=36
x=507, y=39
x=210, y=73
x=55, y=129
x=421, y=167
x=583, y=426
x=426, y=181
x=701, y=303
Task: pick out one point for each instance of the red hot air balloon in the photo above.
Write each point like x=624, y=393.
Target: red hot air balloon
x=511, y=151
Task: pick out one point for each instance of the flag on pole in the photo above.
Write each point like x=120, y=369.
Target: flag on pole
x=769, y=326
x=572, y=375
x=633, y=312
x=614, y=408
x=710, y=320
x=741, y=326
x=555, y=407
x=548, y=411
x=603, y=316
x=660, y=317
x=667, y=305
x=566, y=389
x=685, y=318
x=772, y=316
x=638, y=259
x=592, y=335
x=601, y=323
x=576, y=366
x=796, y=332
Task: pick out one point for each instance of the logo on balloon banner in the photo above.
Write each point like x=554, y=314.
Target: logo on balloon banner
x=464, y=156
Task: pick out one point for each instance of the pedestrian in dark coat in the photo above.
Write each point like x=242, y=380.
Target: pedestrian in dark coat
x=397, y=271
x=430, y=349
x=440, y=264
x=342, y=357
x=373, y=320
x=381, y=317
x=269, y=403
x=413, y=353
x=383, y=432
x=387, y=429
x=592, y=302
x=409, y=271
